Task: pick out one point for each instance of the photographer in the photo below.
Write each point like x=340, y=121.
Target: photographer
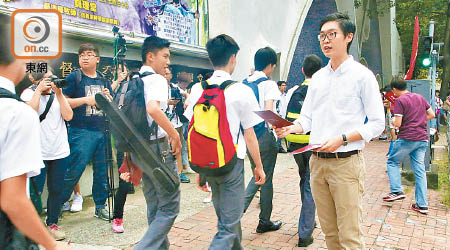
x=87, y=138
x=48, y=101
x=175, y=114
x=20, y=153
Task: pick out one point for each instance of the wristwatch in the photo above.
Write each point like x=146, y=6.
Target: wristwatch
x=345, y=140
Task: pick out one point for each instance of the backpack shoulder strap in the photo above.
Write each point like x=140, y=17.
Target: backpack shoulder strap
x=226, y=84
x=146, y=73
x=260, y=80
x=204, y=84
x=4, y=93
x=47, y=108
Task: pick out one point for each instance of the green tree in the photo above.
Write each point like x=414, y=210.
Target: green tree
x=427, y=10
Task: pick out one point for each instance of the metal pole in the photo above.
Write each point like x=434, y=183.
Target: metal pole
x=433, y=78
x=431, y=33
x=431, y=30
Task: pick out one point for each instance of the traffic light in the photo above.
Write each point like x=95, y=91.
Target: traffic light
x=425, y=59
x=427, y=43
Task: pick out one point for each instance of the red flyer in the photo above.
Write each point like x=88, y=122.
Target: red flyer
x=305, y=148
x=274, y=119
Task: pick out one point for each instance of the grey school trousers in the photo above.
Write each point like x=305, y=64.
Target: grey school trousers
x=268, y=151
x=162, y=207
x=228, y=200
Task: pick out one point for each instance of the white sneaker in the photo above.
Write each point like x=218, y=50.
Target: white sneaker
x=77, y=203
x=66, y=206
x=188, y=170
x=207, y=200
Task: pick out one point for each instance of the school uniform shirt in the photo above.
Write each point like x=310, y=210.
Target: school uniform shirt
x=268, y=90
x=280, y=105
x=338, y=102
x=20, y=148
x=54, y=141
x=174, y=119
x=240, y=103
x=155, y=89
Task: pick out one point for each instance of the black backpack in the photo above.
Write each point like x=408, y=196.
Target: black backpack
x=131, y=102
x=296, y=102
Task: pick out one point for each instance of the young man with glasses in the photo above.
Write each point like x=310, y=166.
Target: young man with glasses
x=341, y=96
x=87, y=139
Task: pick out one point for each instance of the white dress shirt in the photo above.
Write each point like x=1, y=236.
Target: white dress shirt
x=268, y=90
x=155, y=89
x=338, y=102
x=20, y=147
x=240, y=103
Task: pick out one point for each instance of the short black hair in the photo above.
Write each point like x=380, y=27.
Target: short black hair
x=398, y=83
x=346, y=25
x=220, y=49
x=88, y=47
x=311, y=65
x=264, y=57
x=5, y=40
x=280, y=82
x=153, y=44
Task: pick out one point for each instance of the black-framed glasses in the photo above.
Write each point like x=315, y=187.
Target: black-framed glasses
x=88, y=55
x=330, y=36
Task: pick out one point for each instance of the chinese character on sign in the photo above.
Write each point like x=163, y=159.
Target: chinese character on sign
x=106, y=70
x=31, y=67
x=42, y=68
x=66, y=68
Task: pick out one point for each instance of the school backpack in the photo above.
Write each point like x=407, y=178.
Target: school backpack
x=131, y=102
x=260, y=127
x=293, y=112
x=210, y=145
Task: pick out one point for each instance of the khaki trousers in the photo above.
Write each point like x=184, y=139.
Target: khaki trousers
x=337, y=186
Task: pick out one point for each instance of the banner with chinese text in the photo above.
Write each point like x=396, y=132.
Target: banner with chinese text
x=184, y=21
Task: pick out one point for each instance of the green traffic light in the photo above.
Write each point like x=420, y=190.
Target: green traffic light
x=426, y=62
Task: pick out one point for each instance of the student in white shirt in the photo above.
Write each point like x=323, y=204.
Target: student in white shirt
x=228, y=190
x=176, y=96
x=20, y=151
x=54, y=142
x=341, y=96
x=268, y=93
x=162, y=207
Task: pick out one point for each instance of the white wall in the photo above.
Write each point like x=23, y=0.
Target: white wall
x=259, y=23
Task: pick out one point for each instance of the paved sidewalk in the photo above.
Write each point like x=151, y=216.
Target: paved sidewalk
x=386, y=225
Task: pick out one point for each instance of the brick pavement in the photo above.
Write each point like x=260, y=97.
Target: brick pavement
x=385, y=225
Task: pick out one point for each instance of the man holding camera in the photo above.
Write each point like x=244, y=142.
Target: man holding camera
x=87, y=139
x=175, y=114
x=55, y=147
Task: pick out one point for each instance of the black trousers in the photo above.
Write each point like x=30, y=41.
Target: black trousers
x=121, y=194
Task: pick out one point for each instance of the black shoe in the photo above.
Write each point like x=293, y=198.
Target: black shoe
x=281, y=150
x=422, y=210
x=268, y=226
x=305, y=242
x=394, y=196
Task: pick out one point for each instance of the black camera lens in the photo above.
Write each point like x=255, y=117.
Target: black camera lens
x=59, y=83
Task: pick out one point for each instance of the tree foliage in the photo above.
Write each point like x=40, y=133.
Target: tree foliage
x=427, y=10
